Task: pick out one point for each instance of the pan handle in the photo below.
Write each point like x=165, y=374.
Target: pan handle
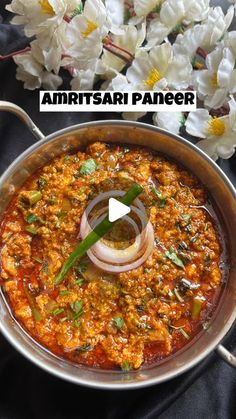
x=20, y=113
x=226, y=355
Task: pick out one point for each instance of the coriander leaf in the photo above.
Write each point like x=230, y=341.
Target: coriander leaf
x=57, y=311
x=81, y=267
x=88, y=167
x=84, y=348
x=42, y=182
x=170, y=254
x=79, y=281
x=118, y=322
x=31, y=218
x=162, y=198
x=186, y=217
x=32, y=230
x=77, y=307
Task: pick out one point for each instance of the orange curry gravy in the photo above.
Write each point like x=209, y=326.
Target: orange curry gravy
x=93, y=317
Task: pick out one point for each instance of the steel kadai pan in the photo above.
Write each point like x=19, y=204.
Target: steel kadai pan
x=186, y=154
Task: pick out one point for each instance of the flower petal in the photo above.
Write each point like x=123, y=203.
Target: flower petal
x=217, y=100
x=225, y=69
x=160, y=57
x=171, y=121
x=197, y=123
x=179, y=72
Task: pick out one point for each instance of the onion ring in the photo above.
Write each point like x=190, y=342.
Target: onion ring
x=115, y=260
x=133, y=265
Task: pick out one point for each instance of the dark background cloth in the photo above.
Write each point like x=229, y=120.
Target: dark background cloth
x=207, y=391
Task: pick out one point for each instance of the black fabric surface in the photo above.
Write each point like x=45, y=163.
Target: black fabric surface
x=207, y=391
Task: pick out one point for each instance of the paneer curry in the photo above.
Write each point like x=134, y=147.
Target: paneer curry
x=104, y=319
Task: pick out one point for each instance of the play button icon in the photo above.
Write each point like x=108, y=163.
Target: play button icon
x=116, y=210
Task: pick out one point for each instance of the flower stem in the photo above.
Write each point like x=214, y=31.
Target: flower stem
x=12, y=54
x=118, y=51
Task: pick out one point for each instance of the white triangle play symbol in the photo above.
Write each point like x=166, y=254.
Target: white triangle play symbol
x=116, y=210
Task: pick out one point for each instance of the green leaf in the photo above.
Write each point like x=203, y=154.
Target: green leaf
x=84, y=348
x=42, y=182
x=81, y=268
x=186, y=217
x=118, y=322
x=52, y=200
x=162, y=198
x=79, y=281
x=170, y=254
x=31, y=218
x=77, y=307
x=88, y=167
x=32, y=230
x=57, y=311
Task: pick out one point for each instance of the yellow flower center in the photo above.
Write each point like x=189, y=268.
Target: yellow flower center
x=91, y=26
x=46, y=7
x=216, y=127
x=214, y=81
x=153, y=77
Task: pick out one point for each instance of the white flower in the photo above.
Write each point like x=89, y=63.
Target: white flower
x=144, y=7
x=41, y=15
x=116, y=10
x=159, y=69
x=215, y=83
x=33, y=74
x=83, y=77
x=216, y=26
x=121, y=84
x=87, y=30
x=230, y=41
x=171, y=121
x=173, y=13
x=205, y=35
x=130, y=39
x=219, y=133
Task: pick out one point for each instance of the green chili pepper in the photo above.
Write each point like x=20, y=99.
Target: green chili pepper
x=96, y=234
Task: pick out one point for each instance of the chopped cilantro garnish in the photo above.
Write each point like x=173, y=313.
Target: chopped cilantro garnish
x=162, y=198
x=32, y=230
x=42, y=182
x=118, y=322
x=88, y=167
x=186, y=217
x=81, y=267
x=79, y=281
x=170, y=254
x=84, y=348
x=77, y=307
x=31, y=218
x=57, y=311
